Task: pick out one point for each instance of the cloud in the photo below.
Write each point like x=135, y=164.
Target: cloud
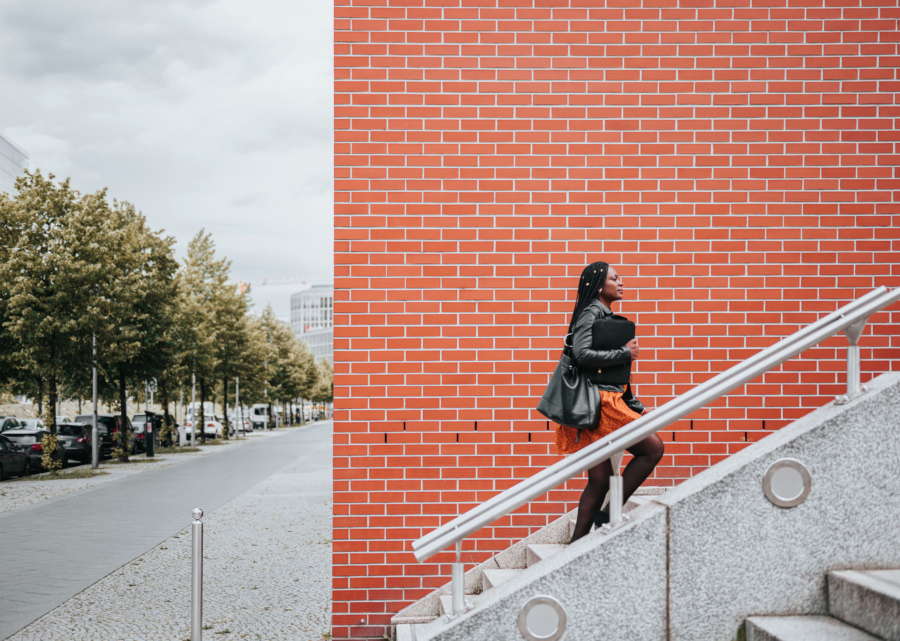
x=213, y=114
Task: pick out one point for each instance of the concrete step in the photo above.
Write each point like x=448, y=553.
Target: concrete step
x=405, y=632
x=802, y=628
x=447, y=603
x=870, y=600
x=538, y=552
x=493, y=578
x=634, y=502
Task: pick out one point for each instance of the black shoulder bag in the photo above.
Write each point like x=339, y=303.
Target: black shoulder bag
x=570, y=398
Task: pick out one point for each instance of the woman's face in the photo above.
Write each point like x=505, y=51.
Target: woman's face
x=613, y=288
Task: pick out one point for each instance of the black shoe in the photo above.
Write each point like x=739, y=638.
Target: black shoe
x=601, y=519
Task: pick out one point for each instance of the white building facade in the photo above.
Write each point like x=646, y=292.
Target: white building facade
x=312, y=319
x=13, y=162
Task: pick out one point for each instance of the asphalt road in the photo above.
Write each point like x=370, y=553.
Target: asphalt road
x=53, y=550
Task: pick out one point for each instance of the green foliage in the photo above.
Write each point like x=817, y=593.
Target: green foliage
x=80, y=273
x=50, y=459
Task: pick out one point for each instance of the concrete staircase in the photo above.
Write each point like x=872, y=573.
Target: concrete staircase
x=715, y=559
x=863, y=606
x=501, y=568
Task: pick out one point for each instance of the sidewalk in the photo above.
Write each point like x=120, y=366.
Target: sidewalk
x=16, y=493
x=268, y=551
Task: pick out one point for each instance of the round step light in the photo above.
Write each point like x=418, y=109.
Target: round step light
x=542, y=618
x=787, y=483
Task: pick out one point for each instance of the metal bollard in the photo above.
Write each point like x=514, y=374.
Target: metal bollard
x=197, y=576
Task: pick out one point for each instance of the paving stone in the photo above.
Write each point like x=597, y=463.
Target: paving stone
x=267, y=562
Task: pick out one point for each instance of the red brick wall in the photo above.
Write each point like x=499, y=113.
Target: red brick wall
x=737, y=161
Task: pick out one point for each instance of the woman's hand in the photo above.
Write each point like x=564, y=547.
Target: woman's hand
x=647, y=410
x=633, y=346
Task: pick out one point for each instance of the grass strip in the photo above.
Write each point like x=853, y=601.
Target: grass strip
x=78, y=473
x=176, y=450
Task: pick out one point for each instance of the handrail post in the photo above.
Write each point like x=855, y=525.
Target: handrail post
x=854, y=387
x=197, y=575
x=458, y=583
x=615, y=490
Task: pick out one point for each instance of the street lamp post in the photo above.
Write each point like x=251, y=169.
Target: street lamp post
x=95, y=438
x=149, y=386
x=238, y=410
x=193, y=410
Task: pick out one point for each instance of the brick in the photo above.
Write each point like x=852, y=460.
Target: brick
x=484, y=153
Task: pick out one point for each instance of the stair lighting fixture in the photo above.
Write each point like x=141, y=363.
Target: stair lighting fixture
x=542, y=618
x=787, y=483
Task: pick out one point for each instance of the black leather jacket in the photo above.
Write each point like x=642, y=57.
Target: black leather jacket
x=592, y=360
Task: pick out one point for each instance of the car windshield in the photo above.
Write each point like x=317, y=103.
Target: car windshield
x=70, y=429
x=104, y=423
x=32, y=422
x=139, y=417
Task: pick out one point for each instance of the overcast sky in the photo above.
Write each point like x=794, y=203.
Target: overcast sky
x=205, y=114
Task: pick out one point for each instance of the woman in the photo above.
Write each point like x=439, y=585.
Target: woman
x=599, y=288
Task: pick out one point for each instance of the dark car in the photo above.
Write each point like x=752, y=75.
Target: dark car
x=77, y=439
x=9, y=423
x=29, y=441
x=13, y=461
x=107, y=427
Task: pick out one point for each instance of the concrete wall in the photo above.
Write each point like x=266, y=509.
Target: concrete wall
x=615, y=591
x=731, y=553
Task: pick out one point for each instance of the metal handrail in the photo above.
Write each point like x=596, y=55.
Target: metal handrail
x=849, y=319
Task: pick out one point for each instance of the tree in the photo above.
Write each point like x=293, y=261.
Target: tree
x=145, y=290
x=202, y=279
x=47, y=285
x=324, y=390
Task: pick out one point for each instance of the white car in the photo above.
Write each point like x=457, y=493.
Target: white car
x=235, y=419
x=212, y=426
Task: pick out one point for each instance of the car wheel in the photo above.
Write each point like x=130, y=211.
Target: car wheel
x=27, y=470
x=65, y=462
x=2, y=474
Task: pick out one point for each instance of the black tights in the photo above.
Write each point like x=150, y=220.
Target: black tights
x=647, y=454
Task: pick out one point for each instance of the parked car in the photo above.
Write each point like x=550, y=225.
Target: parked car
x=139, y=425
x=9, y=423
x=212, y=426
x=13, y=460
x=107, y=427
x=260, y=416
x=32, y=423
x=29, y=441
x=235, y=419
x=77, y=439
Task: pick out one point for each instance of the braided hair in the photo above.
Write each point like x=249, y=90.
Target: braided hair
x=592, y=280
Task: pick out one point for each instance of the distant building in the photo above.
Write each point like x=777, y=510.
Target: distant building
x=13, y=162
x=312, y=319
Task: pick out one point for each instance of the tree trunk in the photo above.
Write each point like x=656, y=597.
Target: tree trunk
x=40, y=398
x=123, y=423
x=51, y=406
x=202, y=409
x=164, y=394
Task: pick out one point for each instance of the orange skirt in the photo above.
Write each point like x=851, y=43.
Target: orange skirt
x=615, y=414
